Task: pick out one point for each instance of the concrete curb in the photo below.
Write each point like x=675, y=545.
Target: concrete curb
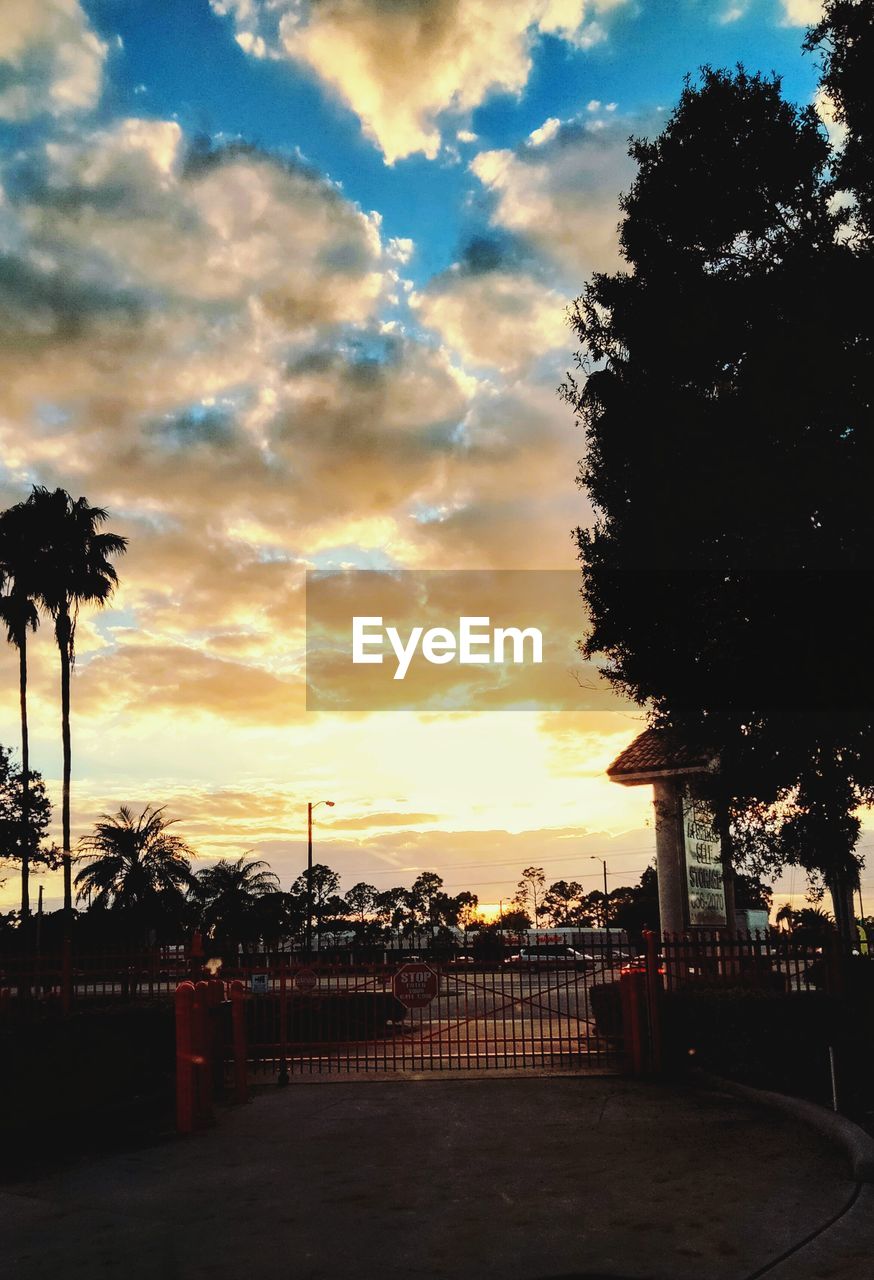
x=857, y=1144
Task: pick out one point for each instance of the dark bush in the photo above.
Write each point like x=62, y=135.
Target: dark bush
x=71, y=1083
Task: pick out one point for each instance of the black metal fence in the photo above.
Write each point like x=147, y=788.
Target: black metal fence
x=772, y=962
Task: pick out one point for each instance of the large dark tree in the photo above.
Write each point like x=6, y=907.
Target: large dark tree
x=845, y=39
x=728, y=456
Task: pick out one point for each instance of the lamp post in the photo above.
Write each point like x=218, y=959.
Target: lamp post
x=310, y=808
x=603, y=862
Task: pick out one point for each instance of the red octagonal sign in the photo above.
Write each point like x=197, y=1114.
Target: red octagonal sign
x=415, y=985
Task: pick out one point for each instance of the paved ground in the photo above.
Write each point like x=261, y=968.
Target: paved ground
x=523, y=1179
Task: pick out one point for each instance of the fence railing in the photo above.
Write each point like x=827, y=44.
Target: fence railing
x=67, y=976
x=771, y=962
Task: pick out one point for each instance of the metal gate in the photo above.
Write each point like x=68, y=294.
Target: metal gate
x=544, y=1012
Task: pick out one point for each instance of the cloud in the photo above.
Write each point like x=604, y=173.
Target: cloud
x=51, y=61
x=560, y=189
x=400, y=66
x=801, y=13
x=504, y=318
x=825, y=109
x=132, y=210
x=141, y=678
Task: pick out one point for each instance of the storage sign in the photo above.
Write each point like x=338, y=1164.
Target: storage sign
x=703, y=854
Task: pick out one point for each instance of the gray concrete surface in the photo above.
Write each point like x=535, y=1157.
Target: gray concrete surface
x=519, y=1178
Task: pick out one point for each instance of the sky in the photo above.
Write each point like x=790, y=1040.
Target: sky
x=283, y=286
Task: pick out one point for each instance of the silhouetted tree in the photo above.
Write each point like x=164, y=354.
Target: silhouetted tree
x=391, y=908
x=845, y=37
x=734, y=534
x=750, y=894
x=74, y=569
x=137, y=866
x=424, y=895
x=529, y=892
x=360, y=900
x=516, y=919
x=23, y=828
x=562, y=901
x=19, y=581
x=325, y=884
x=229, y=894
x=635, y=908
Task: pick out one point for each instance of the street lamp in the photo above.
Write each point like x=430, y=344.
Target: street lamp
x=603, y=862
x=310, y=807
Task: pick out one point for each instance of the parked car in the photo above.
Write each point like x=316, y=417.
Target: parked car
x=554, y=955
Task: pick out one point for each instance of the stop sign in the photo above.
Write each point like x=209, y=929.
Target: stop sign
x=305, y=980
x=415, y=985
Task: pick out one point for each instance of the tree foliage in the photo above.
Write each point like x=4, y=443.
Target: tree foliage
x=136, y=865
x=14, y=836
x=729, y=452
x=845, y=38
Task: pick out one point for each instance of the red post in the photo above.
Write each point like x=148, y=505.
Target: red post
x=282, y=1078
x=631, y=989
x=185, y=1057
x=238, y=1022
x=202, y=1054
x=654, y=998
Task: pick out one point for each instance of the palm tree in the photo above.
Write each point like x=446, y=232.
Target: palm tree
x=74, y=569
x=19, y=552
x=135, y=864
x=786, y=915
x=230, y=893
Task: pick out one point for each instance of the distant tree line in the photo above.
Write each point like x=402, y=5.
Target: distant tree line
x=136, y=885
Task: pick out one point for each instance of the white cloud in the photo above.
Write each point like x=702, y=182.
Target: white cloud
x=51, y=61
x=825, y=109
x=801, y=13
x=547, y=130
x=399, y=66
x=503, y=318
x=562, y=195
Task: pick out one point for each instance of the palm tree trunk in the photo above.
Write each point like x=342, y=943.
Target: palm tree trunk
x=63, y=628
x=25, y=782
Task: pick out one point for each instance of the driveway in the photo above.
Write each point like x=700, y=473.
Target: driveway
x=518, y=1178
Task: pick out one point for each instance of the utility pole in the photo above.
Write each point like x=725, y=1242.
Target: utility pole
x=309, y=931
x=603, y=862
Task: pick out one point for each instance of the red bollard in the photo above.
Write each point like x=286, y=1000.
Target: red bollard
x=632, y=988
x=654, y=998
x=238, y=1021
x=202, y=1054
x=185, y=1057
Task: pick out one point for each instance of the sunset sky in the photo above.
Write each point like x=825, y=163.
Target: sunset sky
x=338, y=346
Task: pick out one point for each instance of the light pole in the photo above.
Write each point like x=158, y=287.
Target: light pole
x=603, y=862
x=310, y=807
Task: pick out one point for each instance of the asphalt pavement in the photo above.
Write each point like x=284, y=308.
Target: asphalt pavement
x=523, y=1178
